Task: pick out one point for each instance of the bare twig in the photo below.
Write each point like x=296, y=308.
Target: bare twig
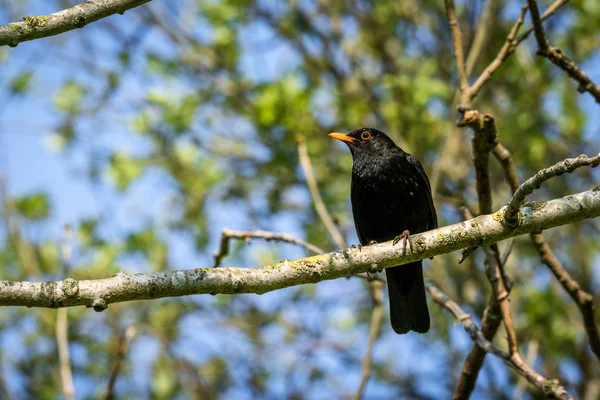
x=551, y=388
x=558, y=58
x=78, y=16
x=62, y=340
x=470, y=370
x=311, y=181
x=505, y=51
x=227, y=234
x=121, y=350
x=532, y=353
x=375, y=327
x=483, y=230
x=459, y=55
x=511, y=214
x=583, y=299
x=62, y=325
x=548, y=13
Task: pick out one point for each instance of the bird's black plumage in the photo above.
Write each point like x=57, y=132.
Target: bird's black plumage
x=391, y=194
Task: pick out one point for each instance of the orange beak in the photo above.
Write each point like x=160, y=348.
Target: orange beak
x=342, y=137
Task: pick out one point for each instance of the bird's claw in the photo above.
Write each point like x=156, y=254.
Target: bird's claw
x=405, y=236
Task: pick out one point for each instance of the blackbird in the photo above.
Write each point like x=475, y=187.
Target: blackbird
x=391, y=198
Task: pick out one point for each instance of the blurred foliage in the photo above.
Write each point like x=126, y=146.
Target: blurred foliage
x=194, y=109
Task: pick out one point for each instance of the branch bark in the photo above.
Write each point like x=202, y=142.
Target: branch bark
x=30, y=28
x=481, y=231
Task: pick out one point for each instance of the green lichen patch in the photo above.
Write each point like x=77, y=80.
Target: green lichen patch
x=15, y=27
x=36, y=22
x=498, y=216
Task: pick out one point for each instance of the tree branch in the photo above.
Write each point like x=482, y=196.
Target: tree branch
x=558, y=58
x=507, y=49
x=375, y=327
x=511, y=213
x=121, y=350
x=227, y=234
x=551, y=388
x=482, y=231
x=78, y=16
x=459, y=54
x=571, y=286
x=311, y=181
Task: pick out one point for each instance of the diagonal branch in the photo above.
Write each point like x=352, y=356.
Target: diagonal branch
x=311, y=181
x=558, y=58
x=507, y=49
x=482, y=231
x=551, y=388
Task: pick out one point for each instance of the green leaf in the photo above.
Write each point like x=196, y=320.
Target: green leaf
x=35, y=207
x=21, y=83
x=69, y=97
x=124, y=169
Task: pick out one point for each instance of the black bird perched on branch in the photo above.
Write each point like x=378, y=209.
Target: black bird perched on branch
x=391, y=198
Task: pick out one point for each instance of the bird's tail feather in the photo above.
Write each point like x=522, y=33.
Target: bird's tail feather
x=408, y=304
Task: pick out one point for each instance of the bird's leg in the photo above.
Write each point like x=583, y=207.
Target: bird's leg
x=405, y=236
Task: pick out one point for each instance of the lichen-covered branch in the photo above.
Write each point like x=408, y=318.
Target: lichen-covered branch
x=30, y=28
x=511, y=213
x=551, y=388
x=481, y=231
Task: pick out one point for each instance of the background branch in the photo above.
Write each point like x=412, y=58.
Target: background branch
x=551, y=388
x=558, y=58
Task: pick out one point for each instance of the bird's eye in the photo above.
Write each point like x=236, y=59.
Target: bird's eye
x=365, y=135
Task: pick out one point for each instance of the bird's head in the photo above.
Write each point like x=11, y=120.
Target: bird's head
x=366, y=141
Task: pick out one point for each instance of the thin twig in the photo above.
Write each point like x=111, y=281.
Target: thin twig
x=121, y=350
x=511, y=214
x=62, y=340
x=459, y=55
x=227, y=234
x=507, y=48
x=311, y=181
x=375, y=328
x=551, y=388
x=583, y=299
x=558, y=58
x=62, y=325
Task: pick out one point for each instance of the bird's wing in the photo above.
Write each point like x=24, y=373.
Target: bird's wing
x=414, y=161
